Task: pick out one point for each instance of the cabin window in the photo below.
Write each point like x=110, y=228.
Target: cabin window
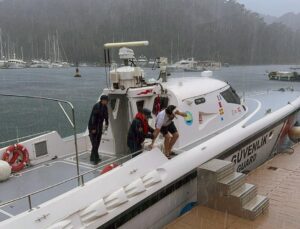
x=231, y=96
x=140, y=105
x=199, y=101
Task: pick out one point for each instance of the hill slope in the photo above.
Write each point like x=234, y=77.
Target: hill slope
x=205, y=29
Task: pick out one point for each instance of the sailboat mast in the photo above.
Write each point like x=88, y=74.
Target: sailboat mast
x=50, y=51
x=54, y=49
x=171, y=51
x=1, y=45
x=45, y=50
x=8, y=51
x=58, y=51
x=22, y=52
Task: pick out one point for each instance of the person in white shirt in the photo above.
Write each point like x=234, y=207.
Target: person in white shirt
x=164, y=124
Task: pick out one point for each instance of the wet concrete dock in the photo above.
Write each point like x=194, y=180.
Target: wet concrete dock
x=278, y=179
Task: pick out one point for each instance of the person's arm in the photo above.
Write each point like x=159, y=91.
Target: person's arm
x=106, y=118
x=150, y=133
x=158, y=125
x=183, y=114
x=94, y=120
x=155, y=134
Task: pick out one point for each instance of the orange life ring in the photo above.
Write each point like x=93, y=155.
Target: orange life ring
x=12, y=155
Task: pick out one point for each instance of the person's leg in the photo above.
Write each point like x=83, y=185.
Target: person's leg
x=95, y=141
x=167, y=144
x=97, y=144
x=173, y=140
x=165, y=133
x=173, y=130
x=94, y=148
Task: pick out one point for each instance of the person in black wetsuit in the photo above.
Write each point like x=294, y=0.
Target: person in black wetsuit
x=135, y=136
x=98, y=115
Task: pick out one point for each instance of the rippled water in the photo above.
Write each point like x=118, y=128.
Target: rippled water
x=21, y=117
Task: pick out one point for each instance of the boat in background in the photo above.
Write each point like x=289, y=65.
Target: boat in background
x=15, y=63
x=142, y=60
x=57, y=53
x=182, y=64
x=209, y=65
x=295, y=68
x=40, y=64
x=151, y=62
x=192, y=65
x=284, y=76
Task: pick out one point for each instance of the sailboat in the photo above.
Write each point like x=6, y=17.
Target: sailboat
x=41, y=63
x=56, y=58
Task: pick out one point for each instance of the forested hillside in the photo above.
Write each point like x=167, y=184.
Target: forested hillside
x=205, y=29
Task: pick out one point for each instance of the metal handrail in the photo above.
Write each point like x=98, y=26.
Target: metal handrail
x=79, y=177
x=25, y=137
x=72, y=121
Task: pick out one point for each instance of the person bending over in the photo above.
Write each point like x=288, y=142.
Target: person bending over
x=164, y=124
x=144, y=117
x=139, y=130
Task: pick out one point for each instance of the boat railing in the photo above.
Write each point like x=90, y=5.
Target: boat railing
x=80, y=177
x=18, y=139
x=70, y=118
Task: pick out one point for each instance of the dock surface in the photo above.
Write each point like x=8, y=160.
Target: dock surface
x=278, y=179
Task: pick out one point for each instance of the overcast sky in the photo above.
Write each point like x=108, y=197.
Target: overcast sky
x=272, y=7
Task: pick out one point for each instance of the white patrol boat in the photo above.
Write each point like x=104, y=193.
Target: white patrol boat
x=146, y=191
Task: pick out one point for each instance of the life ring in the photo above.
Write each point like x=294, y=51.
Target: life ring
x=12, y=155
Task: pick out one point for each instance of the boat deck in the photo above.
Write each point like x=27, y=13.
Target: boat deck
x=42, y=176
x=269, y=102
x=278, y=179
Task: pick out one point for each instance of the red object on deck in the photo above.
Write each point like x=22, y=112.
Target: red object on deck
x=107, y=168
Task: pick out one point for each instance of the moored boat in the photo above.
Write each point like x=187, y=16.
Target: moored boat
x=284, y=76
x=39, y=64
x=15, y=63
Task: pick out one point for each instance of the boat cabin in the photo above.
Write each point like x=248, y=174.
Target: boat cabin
x=211, y=105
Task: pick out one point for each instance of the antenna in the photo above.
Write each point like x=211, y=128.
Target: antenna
x=108, y=46
x=126, y=44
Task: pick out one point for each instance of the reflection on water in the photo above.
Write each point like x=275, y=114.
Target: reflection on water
x=20, y=117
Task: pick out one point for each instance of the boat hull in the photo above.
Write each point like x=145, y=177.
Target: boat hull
x=248, y=155
x=15, y=66
x=2, y=64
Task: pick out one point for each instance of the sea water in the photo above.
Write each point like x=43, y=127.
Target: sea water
x=21, y=117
